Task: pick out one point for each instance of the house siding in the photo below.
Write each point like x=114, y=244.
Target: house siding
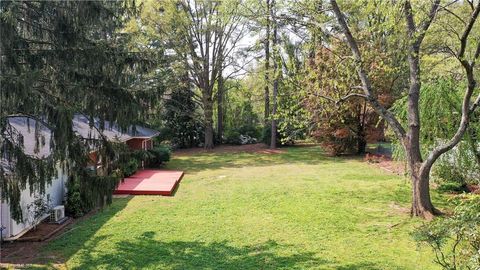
x=138, y=144
x=55, y=191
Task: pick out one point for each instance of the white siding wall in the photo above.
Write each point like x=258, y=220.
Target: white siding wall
x=55, y=191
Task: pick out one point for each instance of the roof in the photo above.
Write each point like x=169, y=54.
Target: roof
x=81, y=125
x=142, y=132
x=112, y=132
x=24, y=130
x=34, y=135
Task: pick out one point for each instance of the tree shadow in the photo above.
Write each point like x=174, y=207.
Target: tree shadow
x=82, y=232
x=360, y=266
x=146, y=252
x=292, y=155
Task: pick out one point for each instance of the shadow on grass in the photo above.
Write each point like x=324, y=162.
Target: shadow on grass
x=359, y=266
x=293, y=155
x=146, y=252
x=70, y=242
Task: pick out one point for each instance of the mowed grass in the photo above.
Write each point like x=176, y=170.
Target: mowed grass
x=295, y=210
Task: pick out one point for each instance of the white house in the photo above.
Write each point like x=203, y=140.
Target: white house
x=136, y=138
x=55, y=191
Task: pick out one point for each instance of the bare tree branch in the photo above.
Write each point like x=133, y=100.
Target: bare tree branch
x=366, y=85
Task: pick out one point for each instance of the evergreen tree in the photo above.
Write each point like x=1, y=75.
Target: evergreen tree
x=59, y=58
x=183, y=124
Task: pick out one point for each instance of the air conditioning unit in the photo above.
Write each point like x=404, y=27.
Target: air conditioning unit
x=57, y=214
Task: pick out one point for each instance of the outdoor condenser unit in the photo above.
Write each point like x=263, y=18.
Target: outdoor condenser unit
x=57, y=214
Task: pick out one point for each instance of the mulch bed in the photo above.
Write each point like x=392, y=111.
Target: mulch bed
x=43, y=231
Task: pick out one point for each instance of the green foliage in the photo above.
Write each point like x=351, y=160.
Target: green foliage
x=267, y=137
x=241, y=115
x=446, y=173
x=181, y=123
x=452, y=187
x=439, y=104
x=232, y=137
x=74, y=206
x=292, y=116
x=440, y=107
x=87, y=191
x=130, y=167
x=455, y=240
x=158, y=156
x=140, y=155
x=61, y=58
x=126, y=160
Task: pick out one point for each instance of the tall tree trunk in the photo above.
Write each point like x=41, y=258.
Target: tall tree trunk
x=208, y=113
x=361, y=134
x=421, y=202
x=220, y=111
x=273, y=139
x=413, y=133
x=361, y=144
x=267, y=67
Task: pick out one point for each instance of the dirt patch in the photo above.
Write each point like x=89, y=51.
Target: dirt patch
x=392, y=166
x=43, y=231
x=25, y=250
x=397, y=209
x=473, y=188
x=19, y=253
x=248, y=148
x=386, y=163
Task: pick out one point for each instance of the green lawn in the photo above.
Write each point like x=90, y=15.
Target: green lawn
x=296, y=210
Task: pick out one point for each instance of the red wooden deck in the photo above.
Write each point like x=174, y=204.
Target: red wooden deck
x=150, y=182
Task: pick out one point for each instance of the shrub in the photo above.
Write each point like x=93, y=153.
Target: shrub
x=250, y=130
x=159, y=155
x=452, y=187
x=446, y=172
x=455, y=240
x=130, y=167
x=141, y=155
x=86, y=191
x=232, y=137
x=74, y=206
x=37, y=210
x=458, y=165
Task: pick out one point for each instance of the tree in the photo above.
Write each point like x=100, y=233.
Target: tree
x=439, y=105
x=203, y=35
x=55, y=64
x=181, y=117
x=220, y=106
x=344, y=126
x=419, y=170
x=267, y=62
x=276, y=75
x=339, y=126
x=292, y=114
